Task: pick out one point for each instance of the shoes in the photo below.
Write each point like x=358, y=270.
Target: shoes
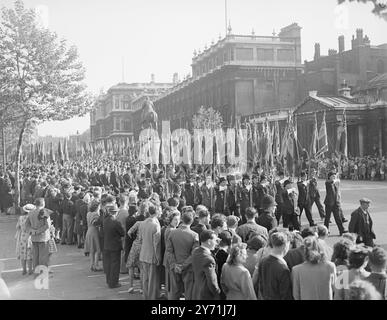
x=24, y=272
x=30, y=272
x=345, y=220
x=131, y=290
x=87, y=254
x=140, y=291
x=118, y=285
x=313, y=225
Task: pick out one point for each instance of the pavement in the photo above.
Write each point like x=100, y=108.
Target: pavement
x=72, y=279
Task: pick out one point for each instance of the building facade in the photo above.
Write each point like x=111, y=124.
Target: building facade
x=239, y=76
x=113, y=113
x=355, y=66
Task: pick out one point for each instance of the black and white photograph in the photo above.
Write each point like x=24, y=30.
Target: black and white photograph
x=187, y=150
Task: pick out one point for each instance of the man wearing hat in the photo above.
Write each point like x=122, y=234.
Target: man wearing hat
x=267, y=219
x=113, y=234
x=361, y=223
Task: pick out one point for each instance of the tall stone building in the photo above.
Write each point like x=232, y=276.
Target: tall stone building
x=240, y=76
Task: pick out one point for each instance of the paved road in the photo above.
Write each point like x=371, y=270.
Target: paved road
x=72, y=279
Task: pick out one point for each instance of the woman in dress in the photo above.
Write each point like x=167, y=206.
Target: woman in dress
x=235, y=279
x=92, y=241
x=134, y=254
x=23, y=241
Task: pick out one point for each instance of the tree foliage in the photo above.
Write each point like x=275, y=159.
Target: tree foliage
x=207, y=118
x=41, y=76
x=380, y=7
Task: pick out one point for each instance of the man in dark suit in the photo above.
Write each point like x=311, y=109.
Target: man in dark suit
x=361, y=224
x=204, y=268
x=274, y=280
x=113, y=233
x=332, y=202
x=303, y=198
x=179, y=247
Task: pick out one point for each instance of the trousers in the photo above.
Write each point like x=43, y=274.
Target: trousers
x=150, y=281
x=181, y=283
x=40, y=254
x=336, y=214
x=308, y=214
x=67, y=229
x=111, y=266
x=291, y=221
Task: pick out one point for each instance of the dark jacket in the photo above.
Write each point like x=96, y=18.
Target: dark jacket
x=302, y=193
x=113, y=232
x=267, y=220
x=332, y=195
x=206, y=285
x=274, y=280
x=362, y=225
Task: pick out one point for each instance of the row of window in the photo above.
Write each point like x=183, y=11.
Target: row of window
x=245, y=54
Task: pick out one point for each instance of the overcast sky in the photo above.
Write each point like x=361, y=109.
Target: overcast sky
x=159, y=36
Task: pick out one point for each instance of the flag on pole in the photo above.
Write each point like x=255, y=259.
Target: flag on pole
x=277, y=142
x=322, y=138
x=65, y=151
x=342, y=138
x=314, y=145
x=60, y=152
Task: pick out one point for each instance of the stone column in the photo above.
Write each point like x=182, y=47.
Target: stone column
x=361, y=140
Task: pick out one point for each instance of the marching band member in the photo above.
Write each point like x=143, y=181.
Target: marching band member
x=303, y=198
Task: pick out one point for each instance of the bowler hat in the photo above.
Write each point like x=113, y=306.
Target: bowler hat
x=268, y=201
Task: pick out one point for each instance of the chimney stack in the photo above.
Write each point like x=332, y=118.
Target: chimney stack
x=316, y=51
x=175, y=78
x=345, y=91
x=341, y=44
x=359, y=34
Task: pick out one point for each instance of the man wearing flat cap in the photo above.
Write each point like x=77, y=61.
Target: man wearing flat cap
x=361, y=224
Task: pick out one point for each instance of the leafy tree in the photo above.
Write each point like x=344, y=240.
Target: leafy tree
x=380, y=7
x=207, y=118
x=41, y=77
